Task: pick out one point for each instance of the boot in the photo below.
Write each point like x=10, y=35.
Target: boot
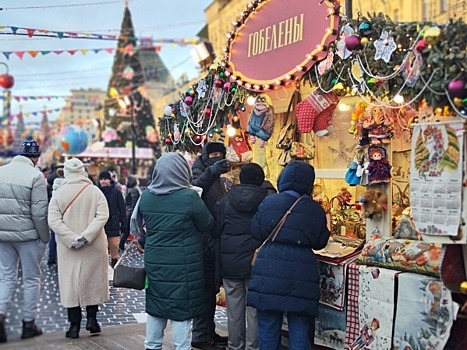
x=92, y=326
x=30, y=330
x=2, y=329
x=73, y=332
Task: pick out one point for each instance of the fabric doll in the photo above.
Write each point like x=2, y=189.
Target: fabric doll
x=379, y=124
x=315, y=113
x=379, y=169
x=261, y=123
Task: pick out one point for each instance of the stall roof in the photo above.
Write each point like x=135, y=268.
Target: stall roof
x=117, y=152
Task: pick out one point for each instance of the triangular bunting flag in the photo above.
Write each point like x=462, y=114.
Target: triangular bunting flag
x=17, y=98
x=45, y=52
x=14, y=29
x=60, y=34
x=158, y=48
x=30, y=32
x=84, y=51
x=109, y=50
x=97, y=50
x=71, y=52
x=33, y=53
x=20, y=54
x=58, y=52
x=72, y=34
x=7, y=54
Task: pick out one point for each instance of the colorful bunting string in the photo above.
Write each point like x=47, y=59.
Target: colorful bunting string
x=27, y=98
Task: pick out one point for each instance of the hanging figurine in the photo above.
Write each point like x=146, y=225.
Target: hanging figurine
x=379, y=169
x=261, y=123
x=379, y=125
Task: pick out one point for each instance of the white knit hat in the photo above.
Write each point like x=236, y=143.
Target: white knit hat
x=74, y=166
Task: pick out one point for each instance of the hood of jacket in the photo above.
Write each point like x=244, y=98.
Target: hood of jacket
x=297, y=176
x=132, y=182
x=246, y=198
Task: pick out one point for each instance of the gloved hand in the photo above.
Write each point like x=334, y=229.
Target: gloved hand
x=220, y=167
x=79, y=242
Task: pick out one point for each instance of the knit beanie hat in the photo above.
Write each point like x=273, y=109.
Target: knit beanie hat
x=105, y=175
x=212, y=147
x=252, y=174
x=74, y=166
x=30, y=148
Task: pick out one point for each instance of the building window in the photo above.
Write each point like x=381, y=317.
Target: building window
x=396, y=16
x=444, y=5
x=425, y=10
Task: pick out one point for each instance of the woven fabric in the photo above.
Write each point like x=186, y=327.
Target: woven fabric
x=353, y=327
x=315, y=112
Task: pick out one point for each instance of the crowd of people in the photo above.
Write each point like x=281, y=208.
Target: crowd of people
x=197, y=237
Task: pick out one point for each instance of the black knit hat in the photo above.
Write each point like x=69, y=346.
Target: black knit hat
x=105, y=175
x=30, y=148
x=252, y=174
x=215, y=147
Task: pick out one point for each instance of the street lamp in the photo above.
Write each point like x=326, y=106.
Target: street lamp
x=126, y=103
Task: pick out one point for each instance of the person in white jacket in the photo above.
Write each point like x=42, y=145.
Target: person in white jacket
x=24, y=234
x=78, y=212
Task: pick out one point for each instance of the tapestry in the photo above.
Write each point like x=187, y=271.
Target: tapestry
x=330, y=327
x=424, y=314
x=332, y=285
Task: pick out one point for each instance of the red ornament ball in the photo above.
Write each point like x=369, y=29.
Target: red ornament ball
x=219, y=83
x=207, y=112
x=189, y=100
x=7, y=81
x=168, y=141
x=353, y=42
x=456, y=88
x=421, y=45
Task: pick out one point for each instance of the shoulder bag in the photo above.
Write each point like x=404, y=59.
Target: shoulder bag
x=76, y=196
x=289, y=129
x=129, y=276
x=272, y=236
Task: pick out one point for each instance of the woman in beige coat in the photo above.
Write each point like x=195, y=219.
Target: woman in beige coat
x=78, y=212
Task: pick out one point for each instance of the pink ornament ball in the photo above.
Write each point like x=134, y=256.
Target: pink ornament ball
x=227, y=86
x=189, y=100
x=353, y=42
x=207, y=112
x=456, y=88
x=421, y=45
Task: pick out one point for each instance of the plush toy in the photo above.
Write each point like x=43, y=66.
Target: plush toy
x=378, y=169
x=373, y=204
x=379, y=124
x=261, y=123
x=356, y=118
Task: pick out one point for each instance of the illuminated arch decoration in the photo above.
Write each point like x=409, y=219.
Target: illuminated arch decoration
x=275, y=42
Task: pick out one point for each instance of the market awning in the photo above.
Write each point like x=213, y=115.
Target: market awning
x=117, y=152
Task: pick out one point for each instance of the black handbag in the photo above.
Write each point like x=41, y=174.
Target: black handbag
x=129, y=276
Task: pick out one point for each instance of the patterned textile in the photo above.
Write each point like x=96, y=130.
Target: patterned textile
x=332, y=285
x=352, y=327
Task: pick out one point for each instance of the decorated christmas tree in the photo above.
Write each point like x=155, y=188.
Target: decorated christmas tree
x=127, y=101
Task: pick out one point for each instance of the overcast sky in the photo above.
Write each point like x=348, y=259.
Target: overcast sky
x=56, y=74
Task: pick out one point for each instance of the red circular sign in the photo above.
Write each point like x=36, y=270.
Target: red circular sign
x=281, y=40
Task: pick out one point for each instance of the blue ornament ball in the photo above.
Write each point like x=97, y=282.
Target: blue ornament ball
x=72, y=139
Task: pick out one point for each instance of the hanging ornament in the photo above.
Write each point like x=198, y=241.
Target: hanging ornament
x=151, y=134
x=353, y=43
x=218, y=83
x=411, y=71
x=342, y=51
x=202, y=88
x=431, y=35
x=184, y=108
x=176, y=133
x=128, y=73
x=168, y=111
x=421, y=45
x=113, y=93
x=385, y=46
x=365, y=28
x=226, y=87
x=357, y=74
x=456, y=88
x=192, y=92
x=188, y=92
x=168, y=141
x=189, y=100
x=326, y=64
x=207, y=112
x=128, y=50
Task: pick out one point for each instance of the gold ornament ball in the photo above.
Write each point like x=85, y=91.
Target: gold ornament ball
x=457, y=102
x=438, y=111
x=431, y=35
x=364, y=40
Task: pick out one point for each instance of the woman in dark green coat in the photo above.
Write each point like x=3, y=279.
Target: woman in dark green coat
x=175, y=216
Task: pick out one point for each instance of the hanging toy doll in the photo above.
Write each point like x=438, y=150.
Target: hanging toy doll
x=261, y=123
x=379, y=169
x=379, y=124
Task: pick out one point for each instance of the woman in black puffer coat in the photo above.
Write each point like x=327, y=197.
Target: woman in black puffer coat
x=133, y=192
x=285, y=277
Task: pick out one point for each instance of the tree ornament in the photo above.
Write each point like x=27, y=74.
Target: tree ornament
x=456, y=88
x=188, y=100
x=364, y=40
x=421, y=45
x=431, y=35
x=192, y=92
x=207, y=112
x=218, y=83
x=168, y=111
x=233, y=89
x=168, y=141
x=342, y=51
x=221, y=74
x=188, y=92
x=464, y=102
x=6, y=80
x=353, y=43
x=365, y=28
x=326, y=64
x=457, y=101
x=226, y=86
x=385, y=46
x=128, y=73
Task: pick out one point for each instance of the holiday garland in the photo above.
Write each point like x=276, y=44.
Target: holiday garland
x=379, y=59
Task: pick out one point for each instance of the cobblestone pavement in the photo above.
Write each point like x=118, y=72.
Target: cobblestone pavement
x=124, y=307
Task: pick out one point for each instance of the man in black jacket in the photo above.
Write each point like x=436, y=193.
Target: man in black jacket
x=117, y=214
x=207, y=169
x=232, y=217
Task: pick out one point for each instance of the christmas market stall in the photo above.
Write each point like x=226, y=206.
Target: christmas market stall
x=379, y=109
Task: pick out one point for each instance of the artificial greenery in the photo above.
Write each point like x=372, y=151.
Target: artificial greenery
x=127, y=80
x=444, y=59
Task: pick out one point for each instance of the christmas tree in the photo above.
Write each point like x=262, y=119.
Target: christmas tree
x=127, y=102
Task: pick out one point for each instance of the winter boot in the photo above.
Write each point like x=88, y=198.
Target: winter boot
x=30, y=330
x=73, y=332
x=91, y=325
x=2, y=329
